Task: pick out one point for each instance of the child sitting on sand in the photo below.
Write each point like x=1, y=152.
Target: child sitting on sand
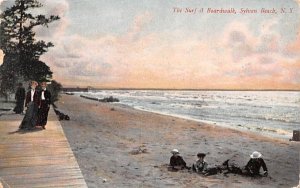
x=176, y=161
x=255, y=163
x=200, y=166
x=251, y=169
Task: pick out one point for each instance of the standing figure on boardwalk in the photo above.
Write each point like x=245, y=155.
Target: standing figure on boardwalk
x=20, y=97
x=32, y=103
x=45, y=97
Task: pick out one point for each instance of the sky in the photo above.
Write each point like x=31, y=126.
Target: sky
x=146, y=44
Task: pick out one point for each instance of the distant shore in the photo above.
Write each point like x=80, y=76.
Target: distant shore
x=85, y=89
x=105, y=138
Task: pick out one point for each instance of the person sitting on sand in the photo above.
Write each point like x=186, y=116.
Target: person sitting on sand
x=255, y=163
x=201, y=165
x=176, y=161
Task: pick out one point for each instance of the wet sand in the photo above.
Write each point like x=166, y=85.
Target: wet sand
x=105, y=139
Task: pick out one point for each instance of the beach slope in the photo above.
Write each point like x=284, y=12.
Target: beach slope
x=117, y=146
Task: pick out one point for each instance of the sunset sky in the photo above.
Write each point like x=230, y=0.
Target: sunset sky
x=145, y=44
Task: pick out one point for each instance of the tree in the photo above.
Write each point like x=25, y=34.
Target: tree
x=19, y=45
x=55, y=88
x=8, y=81
x=38, y=70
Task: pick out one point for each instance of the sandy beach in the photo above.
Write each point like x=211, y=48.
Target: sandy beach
x=105, y=139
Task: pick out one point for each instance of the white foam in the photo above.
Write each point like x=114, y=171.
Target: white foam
x=267, y=112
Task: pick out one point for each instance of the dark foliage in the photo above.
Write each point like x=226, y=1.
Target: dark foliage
x=19, y=45
x=55, y=89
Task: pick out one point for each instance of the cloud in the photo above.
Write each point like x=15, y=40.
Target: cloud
x=256, y=58
x=102, y=58
x=238, y=57
x=58, y=28
x=298, y=1
x=234, y=60
x=139, y=23
x=294, y=47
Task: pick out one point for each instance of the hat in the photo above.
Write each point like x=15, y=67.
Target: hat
x=175, y=151
x=201, y=155
x=34, y=82
x=255, y=155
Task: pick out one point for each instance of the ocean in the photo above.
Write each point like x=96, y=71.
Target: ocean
x=271, y=113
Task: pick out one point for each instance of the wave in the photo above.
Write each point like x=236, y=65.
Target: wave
x=261, y=130
x=271, y=130
x=286, y=119
x=268, y=112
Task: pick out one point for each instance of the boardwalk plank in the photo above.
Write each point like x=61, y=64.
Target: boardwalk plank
x=41, y=158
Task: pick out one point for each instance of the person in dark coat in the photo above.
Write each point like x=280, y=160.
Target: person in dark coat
x=45, y=97
x=32, y=103
x=200, y=166
x=254, y=165
x=20, y=98
x=176, y=161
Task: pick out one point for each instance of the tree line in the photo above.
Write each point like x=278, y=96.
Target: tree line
x=22, y=50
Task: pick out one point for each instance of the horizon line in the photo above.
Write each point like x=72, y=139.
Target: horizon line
x=182, y=89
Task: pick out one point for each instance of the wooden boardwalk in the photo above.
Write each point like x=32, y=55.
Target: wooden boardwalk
x=40, y=158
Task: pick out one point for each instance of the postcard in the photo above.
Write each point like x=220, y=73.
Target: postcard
x=149, y=93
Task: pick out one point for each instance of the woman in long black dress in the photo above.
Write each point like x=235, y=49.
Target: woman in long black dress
x=32, y=103
x=20, y=97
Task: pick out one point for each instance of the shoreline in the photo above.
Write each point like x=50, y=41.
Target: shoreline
x=104, y=135
x=242, y=130
x=272, y=134
x=83, y=89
